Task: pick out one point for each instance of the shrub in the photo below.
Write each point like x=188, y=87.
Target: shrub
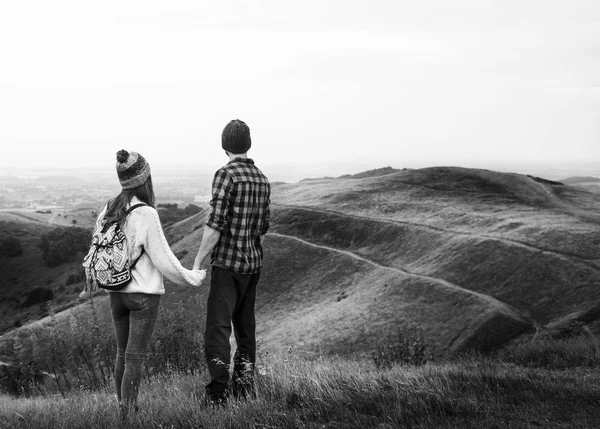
x=191, y=210
x=75, y=278
x=408, y=349
x=10, y=247
x=170, y=213
x=38, y=295
x=63, y=244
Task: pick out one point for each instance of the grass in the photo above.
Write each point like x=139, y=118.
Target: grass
x=478, y=229
x=557, y=354
x=549, y=383
x=471, y=392
x=78, y=351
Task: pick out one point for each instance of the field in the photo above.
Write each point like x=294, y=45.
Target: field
x=519, y=389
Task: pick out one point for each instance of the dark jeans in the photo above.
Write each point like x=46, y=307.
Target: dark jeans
x=231, y=300
x=134, y=316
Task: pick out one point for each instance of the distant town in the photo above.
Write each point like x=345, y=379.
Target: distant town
x=44, y=190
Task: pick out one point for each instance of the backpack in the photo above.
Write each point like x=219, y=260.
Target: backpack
x=107, y=264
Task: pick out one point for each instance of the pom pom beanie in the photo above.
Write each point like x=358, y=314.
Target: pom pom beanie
x=132, y=169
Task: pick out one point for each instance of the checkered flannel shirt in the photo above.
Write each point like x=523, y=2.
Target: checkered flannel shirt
x=240, y=211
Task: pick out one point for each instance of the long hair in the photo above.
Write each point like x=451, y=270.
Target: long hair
x=117, y=207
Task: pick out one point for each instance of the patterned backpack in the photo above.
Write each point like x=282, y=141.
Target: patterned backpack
x=107, y=264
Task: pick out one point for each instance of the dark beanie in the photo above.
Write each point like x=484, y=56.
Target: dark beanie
x=132, y=169
x=236, y=137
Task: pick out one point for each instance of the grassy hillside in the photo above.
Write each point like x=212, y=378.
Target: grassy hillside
x=534, y=246
x=23, y=275
x=471, y=392
x=580, y=179
x=20, y=276
x=321, y=299
x=473, y=258
x=358, y=271
x=588, y=183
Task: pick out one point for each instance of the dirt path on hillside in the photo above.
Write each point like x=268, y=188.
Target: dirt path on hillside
x=486, y=298
x=591, y=263
x=583, y=215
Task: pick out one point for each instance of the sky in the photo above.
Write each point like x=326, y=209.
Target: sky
x=352, y=84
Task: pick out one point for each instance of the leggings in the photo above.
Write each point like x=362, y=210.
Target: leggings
x=134, y=316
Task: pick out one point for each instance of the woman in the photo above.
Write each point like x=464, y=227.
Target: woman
x=134, y=309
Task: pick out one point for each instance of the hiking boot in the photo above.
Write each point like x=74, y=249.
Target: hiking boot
x=215, y=400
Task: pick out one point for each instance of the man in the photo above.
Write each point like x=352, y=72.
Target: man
x=232, y=237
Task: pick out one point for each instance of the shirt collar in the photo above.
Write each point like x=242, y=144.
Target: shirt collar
x=242, y=160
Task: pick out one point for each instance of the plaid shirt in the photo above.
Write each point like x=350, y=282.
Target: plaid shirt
x=240, y=211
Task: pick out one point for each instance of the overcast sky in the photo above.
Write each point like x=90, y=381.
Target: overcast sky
x=371, y=83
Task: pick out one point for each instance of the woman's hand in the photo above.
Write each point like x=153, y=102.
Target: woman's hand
x=201, y=274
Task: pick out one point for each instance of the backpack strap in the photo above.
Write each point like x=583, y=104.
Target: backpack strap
x=136, y=261
x=132, y=208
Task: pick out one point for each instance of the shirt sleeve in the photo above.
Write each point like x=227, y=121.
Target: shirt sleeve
x=267, y=219
x=267, y=214
x=161, y=255
x=222, y=186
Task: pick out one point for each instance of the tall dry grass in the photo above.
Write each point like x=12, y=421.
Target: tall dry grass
x=79, y=355
x=545, y=383
x=327, y=392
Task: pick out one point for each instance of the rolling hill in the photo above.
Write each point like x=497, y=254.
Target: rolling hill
x=21, y=276
x=589, y=183
x=473, y=258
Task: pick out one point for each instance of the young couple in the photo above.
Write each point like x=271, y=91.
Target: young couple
x=231, y=243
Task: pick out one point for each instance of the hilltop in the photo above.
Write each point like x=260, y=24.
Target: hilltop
x=590, y=184
x=473, y=258
x=362, y=175
x=580, y=179
x=371, y=173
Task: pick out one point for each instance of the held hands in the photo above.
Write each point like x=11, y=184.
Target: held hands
x=201, y=274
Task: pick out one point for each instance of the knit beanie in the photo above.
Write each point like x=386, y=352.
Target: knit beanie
x=132, y=169
x=236, y=137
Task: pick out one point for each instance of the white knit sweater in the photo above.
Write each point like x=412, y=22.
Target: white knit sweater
x=143, y=230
